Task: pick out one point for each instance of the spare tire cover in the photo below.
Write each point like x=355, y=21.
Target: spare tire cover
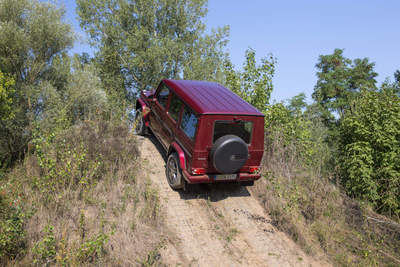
x=229, y=153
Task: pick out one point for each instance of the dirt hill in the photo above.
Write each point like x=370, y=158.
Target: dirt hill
x=217, y=225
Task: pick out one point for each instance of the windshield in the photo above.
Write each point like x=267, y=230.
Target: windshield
x=240, y=128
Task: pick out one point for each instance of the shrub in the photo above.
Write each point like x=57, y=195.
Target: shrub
x=78, y=157
x=370, y=150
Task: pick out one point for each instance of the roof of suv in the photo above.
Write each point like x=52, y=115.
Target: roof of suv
x=211, y=98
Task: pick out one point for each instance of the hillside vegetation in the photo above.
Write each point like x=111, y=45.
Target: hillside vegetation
x=72, y=190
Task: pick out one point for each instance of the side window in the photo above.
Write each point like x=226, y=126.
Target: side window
x=162, y=96
x=174, y=107
x=189, y=122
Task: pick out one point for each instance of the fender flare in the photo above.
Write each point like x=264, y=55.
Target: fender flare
x=181, y=154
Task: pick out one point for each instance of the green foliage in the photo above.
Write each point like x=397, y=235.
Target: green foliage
x=32, y=33
x=6, y=96
x=44, y=251
x=82, y=99
x=291, y=130
x=63, y=164
x=48, y=249
x=12, y=233
x=254, y=83
x=93, y=248
x=33, y=44
x=141, y=42
x=297, y=103
x=340, y=80
x=370, y=150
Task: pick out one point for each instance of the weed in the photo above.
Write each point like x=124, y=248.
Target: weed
x=232, y=233
x=44, y=252
x=12, y=234
x=151, y=207
x=72, y=183
x=154, y=256
x=93, y=248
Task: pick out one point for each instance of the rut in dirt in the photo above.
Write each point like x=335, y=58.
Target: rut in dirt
x=217, y=225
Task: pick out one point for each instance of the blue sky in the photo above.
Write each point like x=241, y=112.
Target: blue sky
x=297, y=32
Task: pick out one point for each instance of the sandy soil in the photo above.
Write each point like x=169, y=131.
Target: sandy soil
x=217, y=225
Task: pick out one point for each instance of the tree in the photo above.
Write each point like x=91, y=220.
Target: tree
x=297, y=103
x=32, y=34
x=396, y=84
x=33, y=45
x=140, y=42
x=370, y=150
x=254, y=83
x=340, y=80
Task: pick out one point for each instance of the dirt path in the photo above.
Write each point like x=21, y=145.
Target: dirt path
x=219, y=225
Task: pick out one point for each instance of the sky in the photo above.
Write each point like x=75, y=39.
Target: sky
x=296, y=32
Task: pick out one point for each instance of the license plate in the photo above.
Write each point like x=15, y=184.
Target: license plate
x=224, y=177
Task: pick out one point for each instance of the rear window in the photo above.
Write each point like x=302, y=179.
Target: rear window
x=240, y=128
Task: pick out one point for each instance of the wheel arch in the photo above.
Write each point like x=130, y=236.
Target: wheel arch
x=174, y=147
x=140, y=104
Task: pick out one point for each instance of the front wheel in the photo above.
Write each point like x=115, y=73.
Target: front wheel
x=173, y=172
x=140, y=127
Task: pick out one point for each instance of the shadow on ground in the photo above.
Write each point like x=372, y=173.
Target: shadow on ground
x=211, y=192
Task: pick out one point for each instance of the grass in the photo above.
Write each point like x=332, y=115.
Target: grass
x=81, y=199
x=313, y=210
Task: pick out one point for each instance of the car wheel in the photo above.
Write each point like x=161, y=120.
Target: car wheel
x=174, y=173
x=247, y=183
x=140, y=127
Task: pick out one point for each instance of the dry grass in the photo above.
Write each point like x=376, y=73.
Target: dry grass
x=86, y=185
x=315, y=213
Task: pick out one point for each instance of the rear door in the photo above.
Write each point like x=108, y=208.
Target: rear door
x=187, y=131
x=173, y=117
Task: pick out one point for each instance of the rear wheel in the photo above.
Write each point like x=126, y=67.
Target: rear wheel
x=174, y=173
x=247, y=183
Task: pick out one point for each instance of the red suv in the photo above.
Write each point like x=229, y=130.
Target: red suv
x=210, y=134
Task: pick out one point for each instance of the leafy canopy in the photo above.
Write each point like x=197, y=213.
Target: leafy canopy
x=140, y=42
x=33, y=44
x=254, y=83
x=340, y=80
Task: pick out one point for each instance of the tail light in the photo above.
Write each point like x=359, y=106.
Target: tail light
x=253, y=169
x=198, y=171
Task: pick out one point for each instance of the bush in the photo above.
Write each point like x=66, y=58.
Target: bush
x=370, y=150
x=78, y=157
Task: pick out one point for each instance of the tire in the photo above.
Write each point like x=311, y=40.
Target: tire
x=174, y=173
x=229, y=153
x=247, y=183
x=140, y=127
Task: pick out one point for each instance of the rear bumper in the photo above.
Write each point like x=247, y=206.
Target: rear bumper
x=197, y=179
